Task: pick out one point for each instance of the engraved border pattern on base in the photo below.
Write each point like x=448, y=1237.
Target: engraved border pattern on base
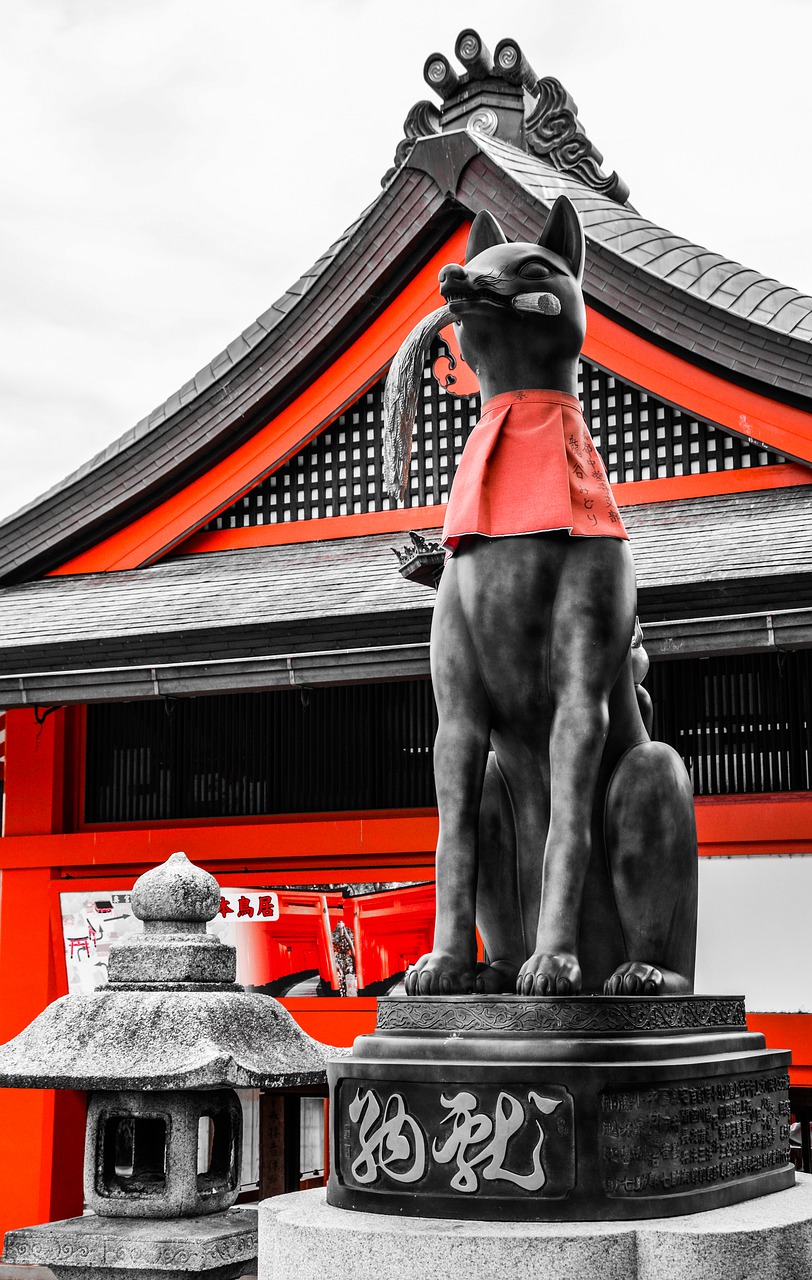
x=551, y=1014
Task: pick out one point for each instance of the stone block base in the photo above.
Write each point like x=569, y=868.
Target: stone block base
x=303, y=1238
x=220, y=1246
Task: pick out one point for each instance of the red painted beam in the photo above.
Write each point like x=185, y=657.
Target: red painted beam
x=641, y=493
x=35, y=773
x=706, y=395
x=41, y=1132
x=727, y=826
x=730, y=826
x=320, y=841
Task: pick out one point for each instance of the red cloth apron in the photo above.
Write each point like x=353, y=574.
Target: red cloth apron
x=530, y=466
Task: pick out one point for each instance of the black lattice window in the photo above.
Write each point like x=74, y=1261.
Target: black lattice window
x=641, y=438
x=340, y=472
x=741, y=723
x=323, y=750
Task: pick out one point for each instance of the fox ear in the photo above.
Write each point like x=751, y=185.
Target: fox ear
x=564, y=235
x=485, y=233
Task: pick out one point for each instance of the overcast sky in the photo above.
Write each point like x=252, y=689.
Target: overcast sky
x=168, y=167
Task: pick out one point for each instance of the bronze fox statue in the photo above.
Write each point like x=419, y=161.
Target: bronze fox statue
x=567, y=836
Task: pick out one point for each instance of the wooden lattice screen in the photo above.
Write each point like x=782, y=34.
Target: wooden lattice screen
x=741, y=723
x=340, y=473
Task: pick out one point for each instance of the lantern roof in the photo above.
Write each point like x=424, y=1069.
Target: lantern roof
x=171, y=1015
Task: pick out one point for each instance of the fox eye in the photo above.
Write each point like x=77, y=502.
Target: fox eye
x=535, y=271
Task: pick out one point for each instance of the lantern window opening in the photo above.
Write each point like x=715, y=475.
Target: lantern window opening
x=216, y=1154
x=133, y=1155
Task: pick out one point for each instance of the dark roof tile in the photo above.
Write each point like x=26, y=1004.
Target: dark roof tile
x=188, y=391
x=239, y=347
x=271, y=318
x=171, y=405
x=791, y=314
x=253, y=333
x=204, y=378
x=719, y=539
x=221, y=362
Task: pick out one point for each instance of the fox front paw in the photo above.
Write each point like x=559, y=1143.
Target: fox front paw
x=440, y=974
x=634, y=979
x=549, y=974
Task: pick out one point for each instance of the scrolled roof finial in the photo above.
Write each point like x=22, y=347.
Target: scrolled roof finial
x=177, y=891
x=439, y=75
x=555, y=133
x=483, y=120
x=512, y=65
x=473, y=54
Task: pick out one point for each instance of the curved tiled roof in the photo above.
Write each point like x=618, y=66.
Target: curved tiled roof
x=712, y=311
x=241, y=389
x=620, y=280
x=686, y=266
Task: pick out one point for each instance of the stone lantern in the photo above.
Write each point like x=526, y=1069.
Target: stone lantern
x=161, y=1049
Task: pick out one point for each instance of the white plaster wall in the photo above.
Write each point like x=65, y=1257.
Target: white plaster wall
x=755, y=932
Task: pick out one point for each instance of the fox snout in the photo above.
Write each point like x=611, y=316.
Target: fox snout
x=456, y=280
x=457, y=285
x=453, y=278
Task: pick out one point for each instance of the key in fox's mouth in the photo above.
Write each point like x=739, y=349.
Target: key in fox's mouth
x=536, y=303
x=545, y=304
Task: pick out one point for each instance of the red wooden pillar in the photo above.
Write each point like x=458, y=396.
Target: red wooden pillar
x=41, y=1132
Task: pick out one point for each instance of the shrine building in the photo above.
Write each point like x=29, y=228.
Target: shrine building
x=207, y=644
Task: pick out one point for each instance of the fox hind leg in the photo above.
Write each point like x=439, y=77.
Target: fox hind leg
x=650, y=834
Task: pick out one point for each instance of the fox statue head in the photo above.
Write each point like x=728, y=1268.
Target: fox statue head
x=519, y=307
x=520, y=320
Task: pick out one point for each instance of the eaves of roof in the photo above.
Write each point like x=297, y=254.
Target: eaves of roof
x=695, y=557
x=708, y=276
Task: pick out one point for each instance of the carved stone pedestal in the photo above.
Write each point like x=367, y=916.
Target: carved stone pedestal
x=508, y=1108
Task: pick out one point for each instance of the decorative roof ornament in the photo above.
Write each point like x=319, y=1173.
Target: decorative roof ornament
x=555, y=133
x=423, y=121
x=490, y=98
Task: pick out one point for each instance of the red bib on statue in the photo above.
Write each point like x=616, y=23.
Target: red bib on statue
x=530, y=467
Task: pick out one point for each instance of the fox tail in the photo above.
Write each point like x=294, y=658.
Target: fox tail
x=401, y=396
